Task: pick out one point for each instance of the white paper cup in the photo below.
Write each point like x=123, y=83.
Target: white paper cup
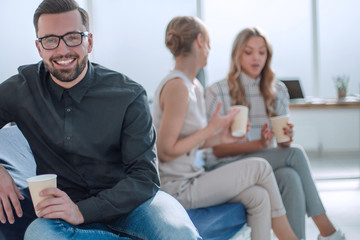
x=239, y=126
x=278, y=123
x=39, y=183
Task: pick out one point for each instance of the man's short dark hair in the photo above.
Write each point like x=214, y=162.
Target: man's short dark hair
x=59, y=6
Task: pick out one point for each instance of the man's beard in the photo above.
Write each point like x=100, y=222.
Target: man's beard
x=66, y=75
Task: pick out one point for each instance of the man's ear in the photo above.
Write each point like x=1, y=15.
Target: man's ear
x=90, y=42
x=37, y=43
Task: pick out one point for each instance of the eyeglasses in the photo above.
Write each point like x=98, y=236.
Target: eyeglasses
x=71, y=39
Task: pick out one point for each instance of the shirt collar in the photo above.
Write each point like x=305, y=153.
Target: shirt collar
x=78, y=91
x=246, y=80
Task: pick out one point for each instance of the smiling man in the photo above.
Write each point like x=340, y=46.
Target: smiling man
x=92, y=127
x=66, y=60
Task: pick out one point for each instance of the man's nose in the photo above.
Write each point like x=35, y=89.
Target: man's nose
x=62, y=46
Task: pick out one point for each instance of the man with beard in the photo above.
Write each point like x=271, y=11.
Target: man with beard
x=92, y=127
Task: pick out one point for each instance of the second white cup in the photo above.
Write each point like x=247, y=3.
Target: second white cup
x=239, y=126
x=278, y=123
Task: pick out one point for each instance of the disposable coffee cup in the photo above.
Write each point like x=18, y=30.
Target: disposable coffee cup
x=39, y=183
x=239, y=126
x=278, y=124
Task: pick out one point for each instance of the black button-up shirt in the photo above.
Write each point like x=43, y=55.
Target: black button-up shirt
x=96, y=136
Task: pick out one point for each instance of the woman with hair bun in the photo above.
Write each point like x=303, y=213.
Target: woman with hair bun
x=180, y=119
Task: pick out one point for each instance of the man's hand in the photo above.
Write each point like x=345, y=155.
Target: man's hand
x=9, y=195
x=60, y=206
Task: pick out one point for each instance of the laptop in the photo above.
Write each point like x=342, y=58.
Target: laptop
x=294, y=88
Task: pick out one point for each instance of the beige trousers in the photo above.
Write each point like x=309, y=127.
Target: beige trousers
x=250, y=181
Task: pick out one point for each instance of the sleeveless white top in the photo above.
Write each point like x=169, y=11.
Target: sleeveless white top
x=177, y=174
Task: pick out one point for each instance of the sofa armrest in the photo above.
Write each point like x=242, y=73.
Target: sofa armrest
x=16, y=155
x=219, y=222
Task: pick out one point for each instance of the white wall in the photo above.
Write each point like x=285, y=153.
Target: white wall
x=339, y=49
x=288, y=25
x=128, y=36
x=285, y=23
x=284, y=35
x=17, y=41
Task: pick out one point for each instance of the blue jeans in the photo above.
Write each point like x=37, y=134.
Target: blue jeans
x=161, y=217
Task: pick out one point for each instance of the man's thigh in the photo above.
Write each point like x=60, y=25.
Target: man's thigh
x=161, y=217
x=56, y=229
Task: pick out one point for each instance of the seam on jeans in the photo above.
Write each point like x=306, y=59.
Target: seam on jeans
x=61, y=225
x=74, y=229
x=129, y=233
x=64, y=227
x=95, y=231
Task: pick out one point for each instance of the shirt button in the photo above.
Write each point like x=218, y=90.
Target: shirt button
x=68, y=109
x=68, y=138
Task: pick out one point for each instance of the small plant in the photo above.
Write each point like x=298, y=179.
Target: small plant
x=341, y=84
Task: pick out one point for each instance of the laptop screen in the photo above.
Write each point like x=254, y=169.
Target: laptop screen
x=294, y=88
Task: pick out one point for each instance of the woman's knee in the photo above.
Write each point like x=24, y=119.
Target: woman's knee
x=261, y=196
x=264, y=167
x=256, y=200
x=287, y=177
x=298, y=151
x=290, y=185
x=258, y=163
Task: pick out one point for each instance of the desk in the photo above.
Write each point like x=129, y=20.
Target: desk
x=319, y=103
x=327, y=125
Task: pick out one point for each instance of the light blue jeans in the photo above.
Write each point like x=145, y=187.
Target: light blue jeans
x=161, y=217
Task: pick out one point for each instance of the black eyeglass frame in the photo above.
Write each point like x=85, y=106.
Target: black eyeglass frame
x=83, y=34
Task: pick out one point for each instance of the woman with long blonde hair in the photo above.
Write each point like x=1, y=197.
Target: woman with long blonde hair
x=252, y=83
x=267, y=83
